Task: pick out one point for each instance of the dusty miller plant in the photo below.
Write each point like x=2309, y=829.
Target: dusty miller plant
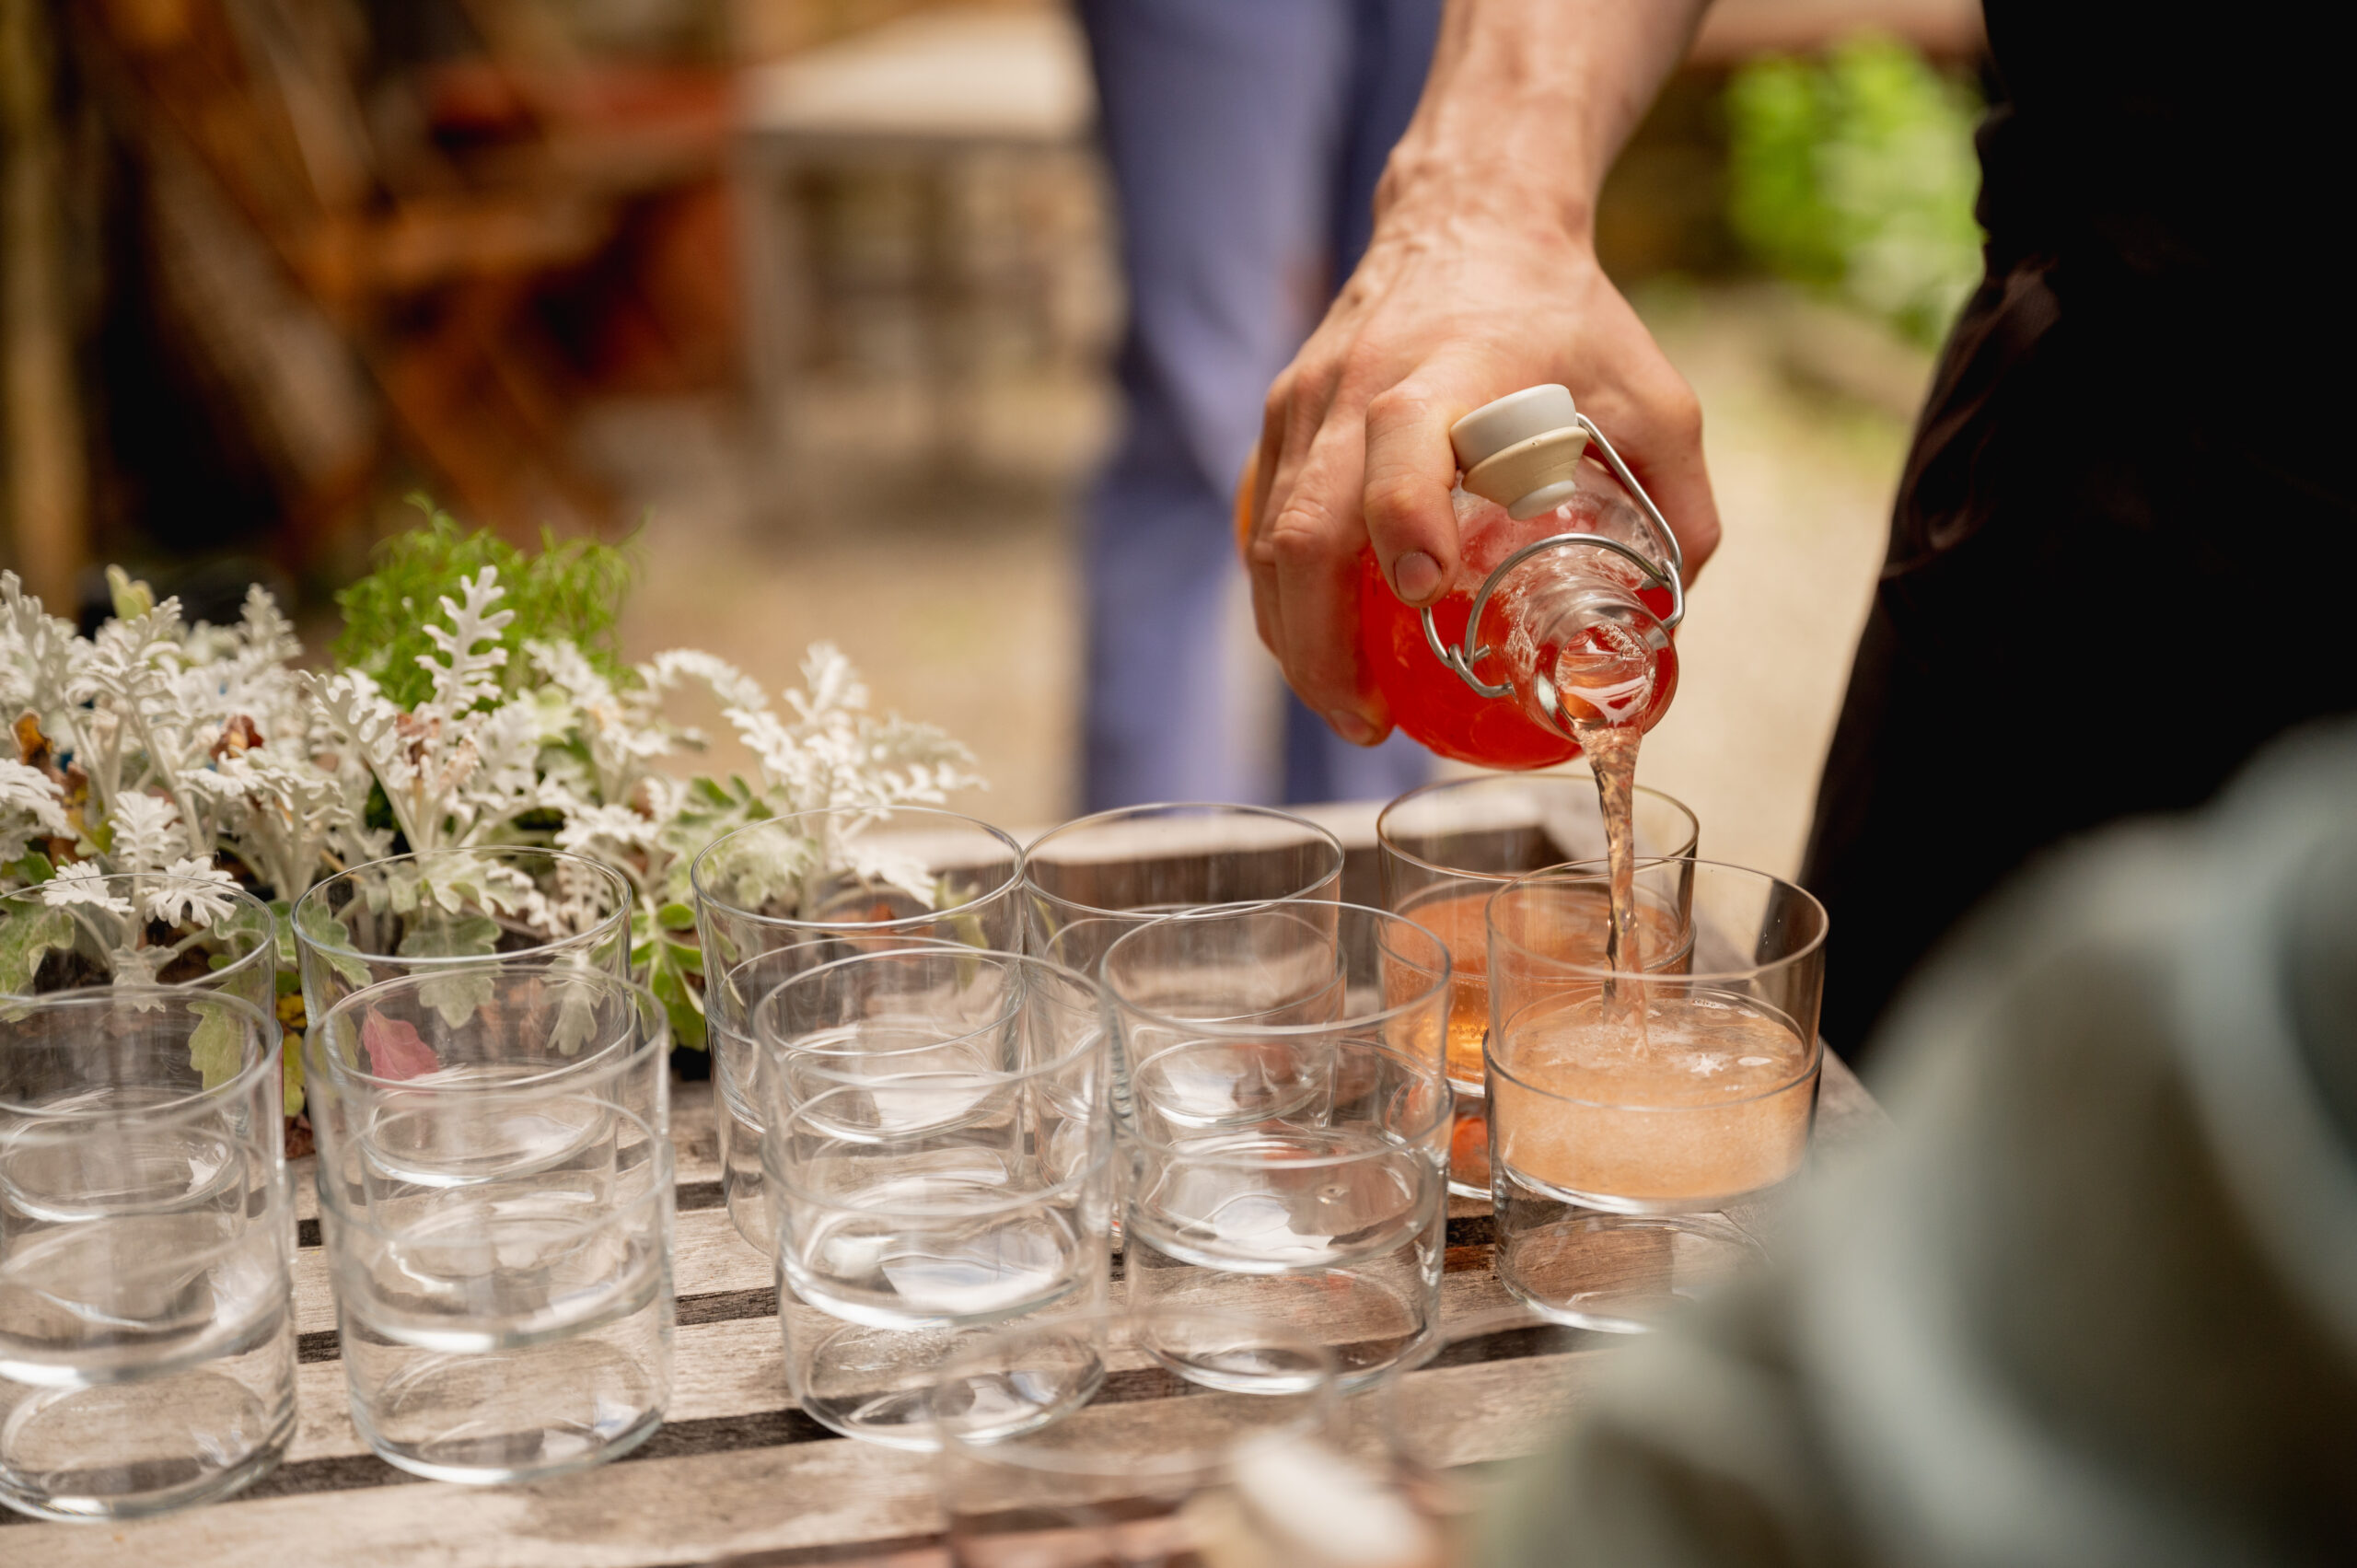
x=206, y=758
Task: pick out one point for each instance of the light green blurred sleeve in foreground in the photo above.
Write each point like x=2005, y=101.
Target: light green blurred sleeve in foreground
x=2094, y=1300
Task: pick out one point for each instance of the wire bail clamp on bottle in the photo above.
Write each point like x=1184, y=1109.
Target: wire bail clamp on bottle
x=1463, y=658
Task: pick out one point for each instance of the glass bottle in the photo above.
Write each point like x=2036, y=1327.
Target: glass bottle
x=1559, y=621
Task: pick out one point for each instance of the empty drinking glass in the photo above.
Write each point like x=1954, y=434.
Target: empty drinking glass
x=141, y=928
x=1445, y=848
x=1089, y=882
x=1206, y=1474
x=794, y=892
x=1628, y=1109
x=938, y=1153
x=439, y=914
x=146, y=1331
x=1288, y=1119
x=495, y=1195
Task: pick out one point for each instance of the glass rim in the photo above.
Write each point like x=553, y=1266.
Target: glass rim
x=1174, y=808
x=1022, y=1452
x=1437, y=988
x=1386, y=844
x=764, y=1038
x=1812, y=1063
x=662, y=1185
x=273, y=1040
x=704, y=896
x=1015, y=1199
x=944, y=946
x=1601, y=873
x=267, y=946
x=317, y=890
x=1396, y=1141
x=612, y=1057
x=1573, y=872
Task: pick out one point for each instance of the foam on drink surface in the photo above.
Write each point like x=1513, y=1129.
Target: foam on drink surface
x=1705, y=1098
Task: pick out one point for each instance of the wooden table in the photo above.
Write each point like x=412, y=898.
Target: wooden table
x=733, y=1470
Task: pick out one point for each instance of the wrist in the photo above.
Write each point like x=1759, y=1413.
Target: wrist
x=1425, y=188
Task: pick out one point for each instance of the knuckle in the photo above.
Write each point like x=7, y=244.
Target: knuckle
x=1393, y=501
x=1680, y=410
x=1400, y=404
x=1296, y=542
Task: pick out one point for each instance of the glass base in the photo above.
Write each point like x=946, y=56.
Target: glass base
x=1623, y=1273
x=202, y=1437
x=877, y=1385
x=1371, y=1317
x=488, y=1418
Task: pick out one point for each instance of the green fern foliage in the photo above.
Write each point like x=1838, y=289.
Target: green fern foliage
x=569, y=589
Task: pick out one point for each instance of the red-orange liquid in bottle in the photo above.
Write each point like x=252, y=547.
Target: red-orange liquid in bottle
x=1427, y=698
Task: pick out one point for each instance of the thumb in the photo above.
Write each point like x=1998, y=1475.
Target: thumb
x=1410, y=471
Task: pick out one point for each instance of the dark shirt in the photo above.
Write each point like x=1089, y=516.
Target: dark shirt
x=2125, y=533
x=2185, y=152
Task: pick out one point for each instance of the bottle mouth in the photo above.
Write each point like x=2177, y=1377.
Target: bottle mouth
x=1587, y=655
x=1605, y=670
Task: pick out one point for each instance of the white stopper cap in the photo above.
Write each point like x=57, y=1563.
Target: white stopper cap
x=1522, y=451
x=1510, y=421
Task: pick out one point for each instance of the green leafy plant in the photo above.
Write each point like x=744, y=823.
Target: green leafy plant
x=571, y=590
x=1853, y=175
x=483, y=703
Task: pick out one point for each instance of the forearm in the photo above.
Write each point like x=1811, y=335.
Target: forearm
x=1528, y=102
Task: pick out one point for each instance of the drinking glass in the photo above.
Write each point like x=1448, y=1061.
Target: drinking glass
x=1288, y=1119
x=939, y=1156
x=1091, y=1480
x=794, y=892
x=1445, y=848
x=146, y=1329
x=1628, y=1109
x=495, y=1200
x=1090, y=882
x=143, y=928
x=438, y=915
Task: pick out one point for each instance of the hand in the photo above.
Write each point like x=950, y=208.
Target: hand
x=1449, y=309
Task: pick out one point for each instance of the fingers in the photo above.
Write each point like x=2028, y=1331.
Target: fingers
x=1314, y=542
x=1410, y=471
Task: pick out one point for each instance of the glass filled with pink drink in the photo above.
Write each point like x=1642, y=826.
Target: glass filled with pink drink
x=1630, y=1109
x=1445, y=849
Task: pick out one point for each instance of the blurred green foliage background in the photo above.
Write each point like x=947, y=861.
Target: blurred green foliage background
x=1852, y=174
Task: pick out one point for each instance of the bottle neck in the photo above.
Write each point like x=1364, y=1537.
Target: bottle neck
x=1580, y=648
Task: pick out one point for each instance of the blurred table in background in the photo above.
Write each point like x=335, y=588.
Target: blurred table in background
x=945, y=100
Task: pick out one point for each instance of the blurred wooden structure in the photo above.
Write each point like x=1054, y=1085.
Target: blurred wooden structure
x=425, y=264
x=48, y=500
x=936, y=97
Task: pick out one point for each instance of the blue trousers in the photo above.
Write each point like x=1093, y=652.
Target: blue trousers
x=1245, y=138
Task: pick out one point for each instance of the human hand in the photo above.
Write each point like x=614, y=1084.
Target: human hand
x=1449, y=309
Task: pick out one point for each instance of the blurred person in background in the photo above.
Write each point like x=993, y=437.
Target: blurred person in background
x=1245, y=138
x=2094, y=1300
x=2125, y=490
